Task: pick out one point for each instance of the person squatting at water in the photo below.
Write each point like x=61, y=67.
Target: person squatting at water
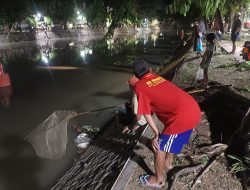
x=128, y=110
x=176, y=109
x=140, y=119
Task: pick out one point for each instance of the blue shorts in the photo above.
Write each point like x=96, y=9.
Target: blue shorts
x=174, y=143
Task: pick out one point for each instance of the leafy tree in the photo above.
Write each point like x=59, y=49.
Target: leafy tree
x=209, y=9
x=97, y=13
x=60, y=11
x=14, y=11
x=234, y=6
x=126, y=9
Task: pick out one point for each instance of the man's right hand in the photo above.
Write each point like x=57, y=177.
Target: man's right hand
x=155, y=144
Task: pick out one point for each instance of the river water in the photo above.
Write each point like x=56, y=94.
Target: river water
x=70, y=75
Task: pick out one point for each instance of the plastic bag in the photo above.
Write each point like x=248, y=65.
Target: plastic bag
x=200, y=74
x=199, y=47
x=82, y=140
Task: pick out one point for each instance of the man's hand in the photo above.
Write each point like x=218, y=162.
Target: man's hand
x=155, y=144
x=153, y=126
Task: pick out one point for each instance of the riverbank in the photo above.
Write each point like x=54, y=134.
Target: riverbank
x=225, y=69
x=83, y=34
x=50, y=95
x=203, y=164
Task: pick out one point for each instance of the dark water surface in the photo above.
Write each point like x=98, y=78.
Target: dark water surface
x=65, y=75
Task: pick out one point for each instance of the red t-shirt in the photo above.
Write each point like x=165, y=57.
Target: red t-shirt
x=175, y=108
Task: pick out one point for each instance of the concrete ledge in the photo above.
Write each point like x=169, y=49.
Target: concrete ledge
x=130, y=165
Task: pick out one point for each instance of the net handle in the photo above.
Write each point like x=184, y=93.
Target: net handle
x=74, y=114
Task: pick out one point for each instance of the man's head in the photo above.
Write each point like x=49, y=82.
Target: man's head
x=140, y=68
x=211, y=37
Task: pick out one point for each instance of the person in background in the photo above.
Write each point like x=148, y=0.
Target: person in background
x=207, y=56
x=125, y=116
x=216, y=29
x=235, y=33
x=5, y=88
x=175, y=108
x=196, y=35
x=127, y=111
x=246, y=51
x=202, y=28
x=140, y=119
x=218, y=34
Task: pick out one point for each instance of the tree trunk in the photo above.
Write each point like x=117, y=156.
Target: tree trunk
x=242, y=11
x=230, y=23
x=115, y=20
x=113, y=25
x=219, y=21
x=111, y=30
x=65, y=27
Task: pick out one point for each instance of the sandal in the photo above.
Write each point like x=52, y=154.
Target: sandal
x=145, y=182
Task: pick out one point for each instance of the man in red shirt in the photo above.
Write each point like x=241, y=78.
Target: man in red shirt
x=175, y=108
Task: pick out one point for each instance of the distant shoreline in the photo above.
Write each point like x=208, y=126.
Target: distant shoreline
x=43, y=38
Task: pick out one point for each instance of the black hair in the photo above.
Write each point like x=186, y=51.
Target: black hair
x=140, y=68
x=211, y=37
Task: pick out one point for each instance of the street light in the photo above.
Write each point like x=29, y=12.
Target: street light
x=79, y=17
x=38, y=15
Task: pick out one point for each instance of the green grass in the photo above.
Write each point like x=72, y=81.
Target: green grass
x=244, y=66
x=204, y=160
x=225, y=66
x=246, y=89
x=241, y=66
x=238, y=165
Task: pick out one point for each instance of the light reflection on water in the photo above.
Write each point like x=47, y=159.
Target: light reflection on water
x=72, y=75
x=62, y=70
x=75, y=53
